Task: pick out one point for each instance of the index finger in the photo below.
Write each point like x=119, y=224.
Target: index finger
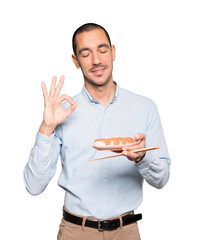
x=131, y=148
x=140, y=144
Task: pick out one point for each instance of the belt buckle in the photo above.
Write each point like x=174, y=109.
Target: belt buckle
x=100, y=224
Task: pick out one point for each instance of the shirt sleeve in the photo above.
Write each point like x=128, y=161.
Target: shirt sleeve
x=155, y=166
x=41, y=165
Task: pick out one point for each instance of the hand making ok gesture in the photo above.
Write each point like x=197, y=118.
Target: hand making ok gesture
x=54, y=113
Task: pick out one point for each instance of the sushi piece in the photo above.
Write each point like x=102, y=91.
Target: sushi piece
x=106, y=142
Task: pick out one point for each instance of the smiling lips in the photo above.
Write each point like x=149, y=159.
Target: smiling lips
x=98, y=70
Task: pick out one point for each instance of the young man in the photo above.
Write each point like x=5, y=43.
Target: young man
x=101, y=196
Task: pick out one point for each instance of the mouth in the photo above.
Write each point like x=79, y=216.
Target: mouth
x=98, y=70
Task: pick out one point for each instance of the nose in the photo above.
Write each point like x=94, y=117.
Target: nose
x=96, y=58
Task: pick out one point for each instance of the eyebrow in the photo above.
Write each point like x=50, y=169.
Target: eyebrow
x=99, y=46
x=103, y=45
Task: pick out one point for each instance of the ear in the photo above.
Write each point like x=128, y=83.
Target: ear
x=113, y=48
x=75, y=60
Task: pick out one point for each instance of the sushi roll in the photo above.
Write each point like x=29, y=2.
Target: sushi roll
x=105, y=142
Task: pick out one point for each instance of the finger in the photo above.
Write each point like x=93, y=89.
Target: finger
x=117, y=151
x=71, y=108
x=132, y=156
x=44, y=91
x=59, y=86
x=53, y=86
x=67, y=98
x=140, y=136
x=138, y=146
x=130, y=148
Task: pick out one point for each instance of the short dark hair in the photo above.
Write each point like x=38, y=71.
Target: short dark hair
x=86, y=28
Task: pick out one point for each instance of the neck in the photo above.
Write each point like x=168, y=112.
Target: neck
x=104, y=93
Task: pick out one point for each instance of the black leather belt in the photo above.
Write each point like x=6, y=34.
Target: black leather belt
x=103, y=224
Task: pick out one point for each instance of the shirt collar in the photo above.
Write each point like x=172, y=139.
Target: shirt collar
x=87, y=95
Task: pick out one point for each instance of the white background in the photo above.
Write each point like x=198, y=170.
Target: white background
x=169, y=51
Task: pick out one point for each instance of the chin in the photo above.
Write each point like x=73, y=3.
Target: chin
x=97, y=83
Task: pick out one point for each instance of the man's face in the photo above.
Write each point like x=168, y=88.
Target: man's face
x=95, y=57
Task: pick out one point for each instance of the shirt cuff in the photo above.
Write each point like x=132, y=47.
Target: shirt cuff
x=145, y=162
x=44, y=142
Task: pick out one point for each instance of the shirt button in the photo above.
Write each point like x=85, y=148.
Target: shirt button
x=104, y=205
x=105, y=180
x=47, y=142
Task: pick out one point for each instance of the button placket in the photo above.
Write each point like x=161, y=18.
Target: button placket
x=104, y=128
x=104, y=133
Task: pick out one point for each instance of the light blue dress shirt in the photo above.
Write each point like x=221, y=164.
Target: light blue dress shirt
x=103, y=188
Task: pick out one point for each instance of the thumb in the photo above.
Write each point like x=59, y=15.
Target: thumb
x=139, y=136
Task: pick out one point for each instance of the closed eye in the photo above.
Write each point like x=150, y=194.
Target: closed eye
x=103, y=50
x=85, y=55
x=84, y=52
